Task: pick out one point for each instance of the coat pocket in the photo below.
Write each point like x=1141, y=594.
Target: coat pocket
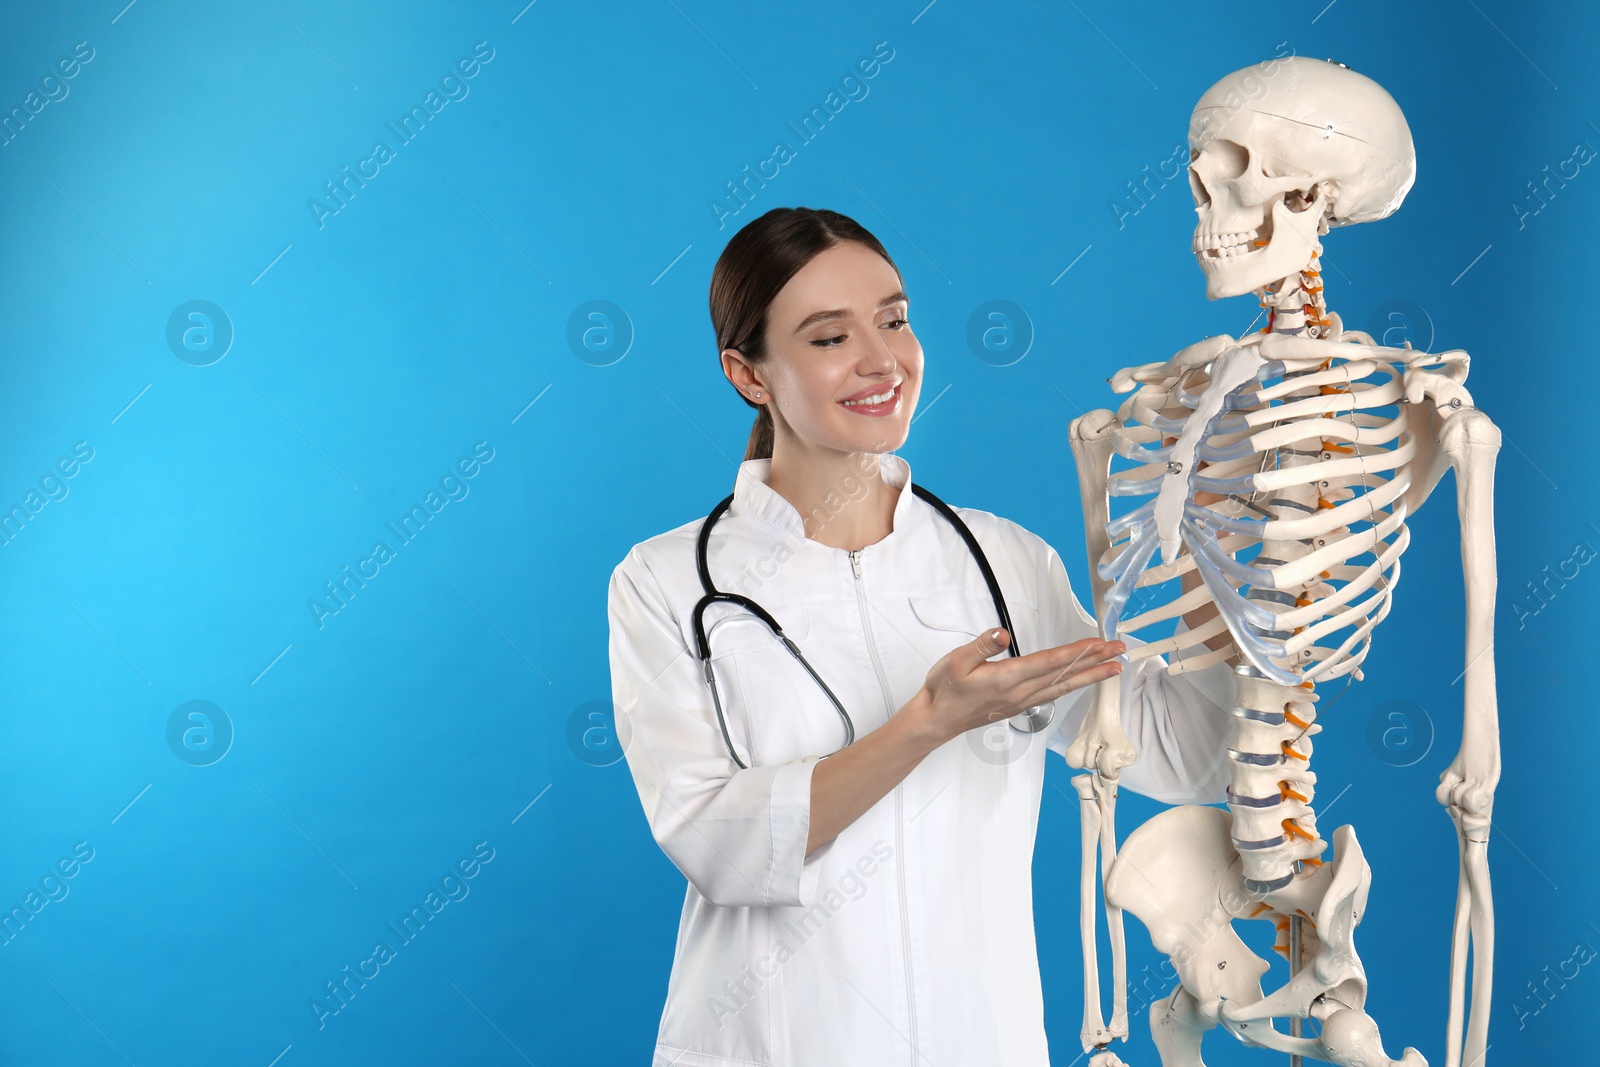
x=775, y=711
x=954, y=611
x=953, y=617
x=965, y=616
x=734, y=629
x=783, y=713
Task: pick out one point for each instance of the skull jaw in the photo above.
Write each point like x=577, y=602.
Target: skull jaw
x=1288, y=251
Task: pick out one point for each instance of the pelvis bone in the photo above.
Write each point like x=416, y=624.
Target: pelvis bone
x=1179, y=874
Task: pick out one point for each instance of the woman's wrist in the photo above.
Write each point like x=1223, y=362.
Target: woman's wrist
x=842, y=789
x=916, y=718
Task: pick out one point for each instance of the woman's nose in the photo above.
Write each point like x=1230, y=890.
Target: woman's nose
x=877, y=357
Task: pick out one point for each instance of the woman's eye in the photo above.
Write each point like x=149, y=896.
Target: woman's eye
x=834, y=342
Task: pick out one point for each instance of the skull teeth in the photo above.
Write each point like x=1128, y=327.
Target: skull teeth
x=1225, y=245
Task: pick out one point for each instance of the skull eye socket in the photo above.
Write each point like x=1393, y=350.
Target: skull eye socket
x=1230, y=159
x=1219, y=161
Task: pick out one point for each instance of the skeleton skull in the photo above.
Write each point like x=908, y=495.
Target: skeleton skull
x=1281, y=151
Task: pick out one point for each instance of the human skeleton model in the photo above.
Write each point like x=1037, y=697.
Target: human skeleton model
x=1314, y=444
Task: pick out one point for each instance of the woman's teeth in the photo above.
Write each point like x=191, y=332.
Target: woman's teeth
x=879, y=399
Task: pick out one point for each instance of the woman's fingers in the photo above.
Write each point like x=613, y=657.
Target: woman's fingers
x=1053, y=663
x=970, y=687
x=1071, y=658
x=991, y=642
x=1081, y=679
x=962, y=660
x=1067, y=667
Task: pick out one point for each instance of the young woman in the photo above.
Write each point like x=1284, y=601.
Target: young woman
x=867, y=903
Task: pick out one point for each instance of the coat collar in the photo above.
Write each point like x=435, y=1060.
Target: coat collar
x=753, y=496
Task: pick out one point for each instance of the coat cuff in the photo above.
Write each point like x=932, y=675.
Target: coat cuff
x=794, y=874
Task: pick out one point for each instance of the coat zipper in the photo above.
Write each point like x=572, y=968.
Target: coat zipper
x=899, y=802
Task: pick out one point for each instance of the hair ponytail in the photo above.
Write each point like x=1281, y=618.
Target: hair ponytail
x=760, y=446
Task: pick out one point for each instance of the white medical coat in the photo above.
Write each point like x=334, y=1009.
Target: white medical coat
x=907, y=939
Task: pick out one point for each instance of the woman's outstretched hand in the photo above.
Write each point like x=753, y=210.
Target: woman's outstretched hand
x=964, y=690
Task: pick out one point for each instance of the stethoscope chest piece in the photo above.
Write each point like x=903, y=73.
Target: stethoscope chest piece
x=1034, y=719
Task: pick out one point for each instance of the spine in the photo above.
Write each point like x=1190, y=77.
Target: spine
x=1272, y=785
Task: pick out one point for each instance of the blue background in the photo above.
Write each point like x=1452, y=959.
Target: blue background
x=458, y=696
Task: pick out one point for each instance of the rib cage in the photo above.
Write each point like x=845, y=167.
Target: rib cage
x=1302, y=554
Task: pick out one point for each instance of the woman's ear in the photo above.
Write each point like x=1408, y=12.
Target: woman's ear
x=740, y=373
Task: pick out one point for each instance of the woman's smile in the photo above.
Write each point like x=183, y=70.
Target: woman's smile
x=886, y=406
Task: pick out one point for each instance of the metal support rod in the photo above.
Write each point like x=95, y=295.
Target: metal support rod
x=1294, y=968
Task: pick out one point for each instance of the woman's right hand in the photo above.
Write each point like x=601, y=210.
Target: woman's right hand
x=964, y=690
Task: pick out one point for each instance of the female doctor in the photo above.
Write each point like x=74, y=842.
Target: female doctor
x=864, y=903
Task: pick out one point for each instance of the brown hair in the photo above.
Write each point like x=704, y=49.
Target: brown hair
x=758, y=261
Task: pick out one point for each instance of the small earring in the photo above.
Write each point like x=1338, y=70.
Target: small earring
x=758, y=394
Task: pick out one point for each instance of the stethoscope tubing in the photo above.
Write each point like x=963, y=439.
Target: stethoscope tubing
x=713, y=595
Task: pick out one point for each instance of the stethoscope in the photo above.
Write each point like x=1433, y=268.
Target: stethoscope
x=1031, y=717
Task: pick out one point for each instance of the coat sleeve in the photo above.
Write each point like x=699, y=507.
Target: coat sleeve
x=738, y=835
x=1178, y=723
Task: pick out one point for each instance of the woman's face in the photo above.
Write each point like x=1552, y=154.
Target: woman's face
x=838, y=331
